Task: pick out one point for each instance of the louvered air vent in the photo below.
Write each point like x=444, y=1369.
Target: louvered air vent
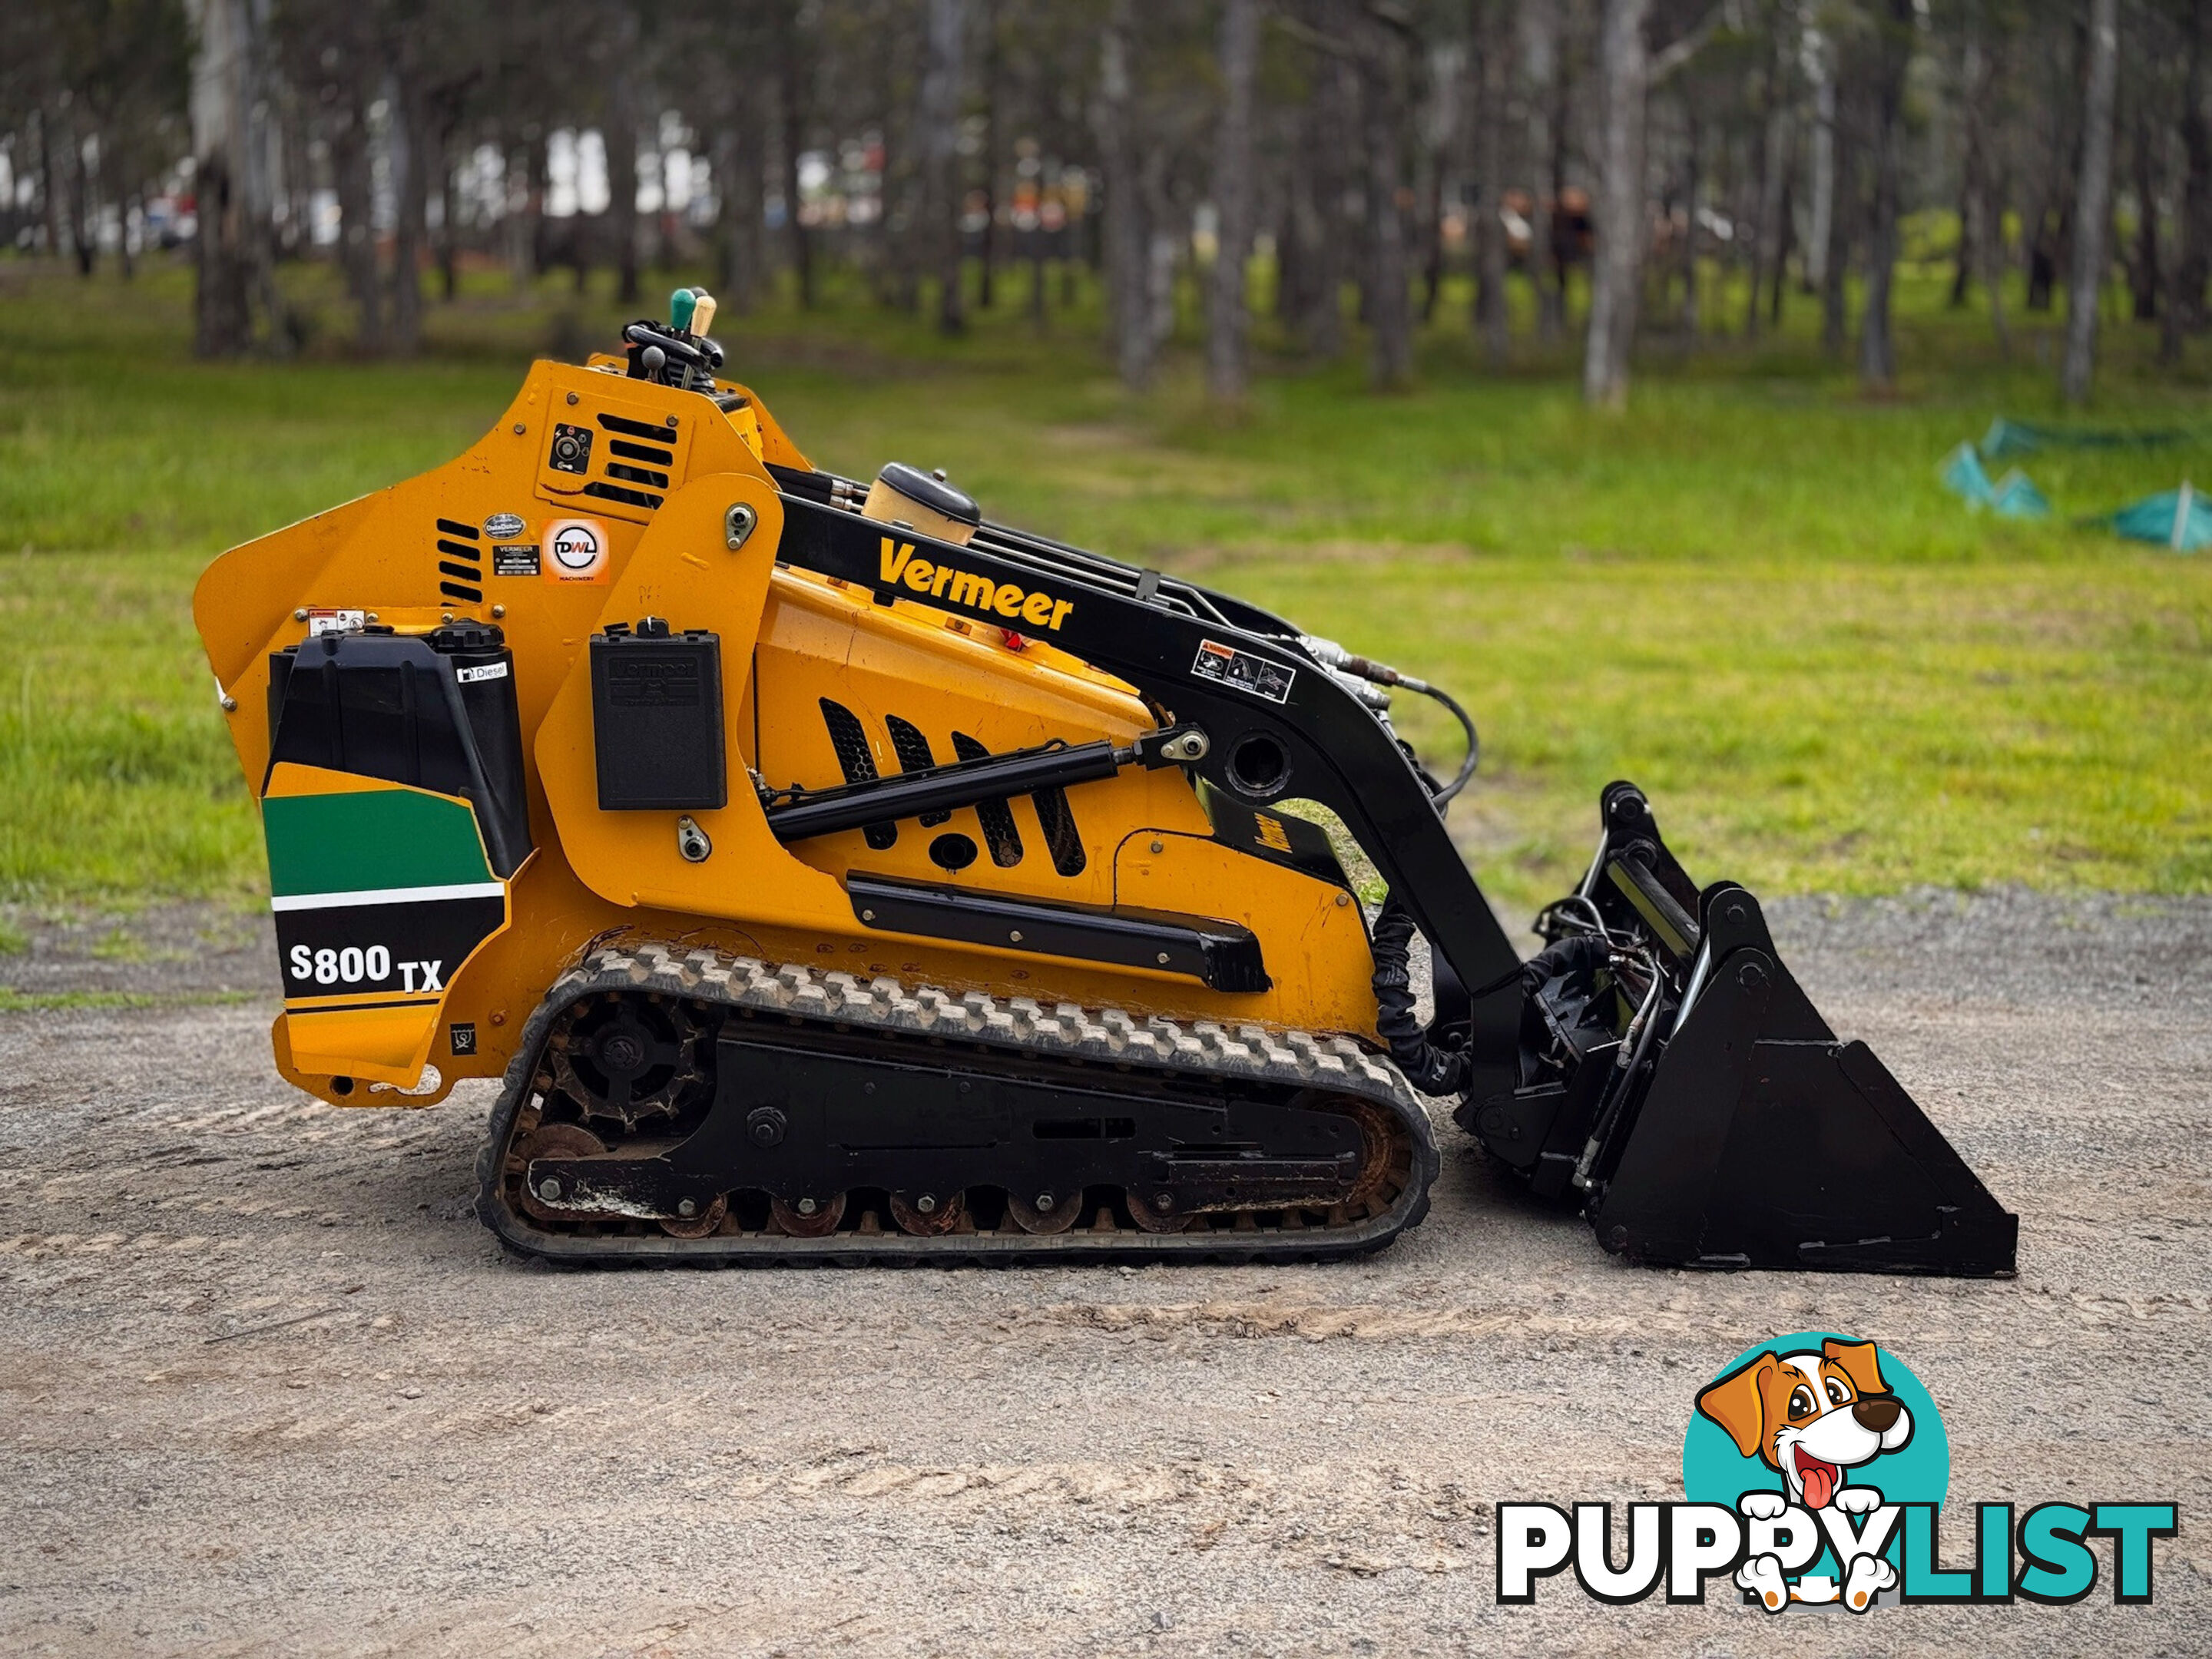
x=460, y=567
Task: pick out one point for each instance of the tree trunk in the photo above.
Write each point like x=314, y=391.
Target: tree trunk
x=942, y=203
x=1335, y=141
x=1693, y=192
x=791, y=101
x=1127, y=299
x=994, y=96
x=1836, y=252
x=2143, y=269
x=1227, y=317
x=1617, y=268
x=1972, y=164
x=1785, y=232
x=411, y=160
x=1877, y=345
x=449, y=224
x=2091, y=202
x=1822, y=212
x=526, y=245
x=619, y=135
x=1773, y=170
x=1389, y=302
x=1547, y=262
x=2195, y=265
x=1983, y=230
x=84, y=242
x=49, y=188
x=351, y=169
x=223, y=95
x=1492, y=49
x=738, y=165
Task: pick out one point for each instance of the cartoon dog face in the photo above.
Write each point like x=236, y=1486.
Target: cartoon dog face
x=1810, y=1416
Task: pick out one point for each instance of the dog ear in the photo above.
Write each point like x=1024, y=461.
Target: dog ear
x=1858, y=1363
x=1738, y=1404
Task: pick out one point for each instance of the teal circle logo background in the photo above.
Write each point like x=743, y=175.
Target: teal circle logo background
x=1919, y=1472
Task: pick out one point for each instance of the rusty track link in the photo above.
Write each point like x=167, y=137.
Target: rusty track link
x=1392, y=1195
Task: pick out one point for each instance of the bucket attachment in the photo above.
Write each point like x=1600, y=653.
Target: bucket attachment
x=1675, y=1079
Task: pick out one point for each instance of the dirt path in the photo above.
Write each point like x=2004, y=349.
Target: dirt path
x=266, y=1385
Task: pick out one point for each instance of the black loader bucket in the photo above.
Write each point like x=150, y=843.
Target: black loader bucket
x=1675, y=1079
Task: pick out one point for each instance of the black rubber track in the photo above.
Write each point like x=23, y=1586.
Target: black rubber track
x=805, y=996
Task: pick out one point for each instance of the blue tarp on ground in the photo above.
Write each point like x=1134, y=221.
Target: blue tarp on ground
x=2011, y=496
x=2179, y=518
x=2018, y=438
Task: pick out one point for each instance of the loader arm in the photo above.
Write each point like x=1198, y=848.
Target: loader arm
x=1279, y=726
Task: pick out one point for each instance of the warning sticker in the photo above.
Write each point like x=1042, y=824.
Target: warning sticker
x=515, y=559
x=336, y=622
x=1244, y=671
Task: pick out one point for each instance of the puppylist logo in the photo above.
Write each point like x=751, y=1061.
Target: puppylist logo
x=1814, y=1467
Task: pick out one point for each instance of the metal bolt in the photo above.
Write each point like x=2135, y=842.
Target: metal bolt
x=687, y=1209
x=1159, y=847
x=520, y=428
x=371, y=616
x=1163, y=1201
x=447, y=616
x=548, y=1189
x=301, y=615
x=737, y=524
x=868, y=916
x=572, y=396
x=1015, y=935
x=671, y=420
x=927, y=1203
x=498, y=610
x=1343, y=899
x=1163, y=958
x=691, y=841
x=807, y=1206
x=1045, y=1201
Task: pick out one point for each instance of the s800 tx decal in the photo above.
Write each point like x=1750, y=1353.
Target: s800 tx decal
x=381, y=892
x=410, y=947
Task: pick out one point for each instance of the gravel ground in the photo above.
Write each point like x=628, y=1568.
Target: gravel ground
x=268, y=1386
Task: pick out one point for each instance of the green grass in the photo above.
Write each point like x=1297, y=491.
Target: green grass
x=1750, y=594
x=13, y=1001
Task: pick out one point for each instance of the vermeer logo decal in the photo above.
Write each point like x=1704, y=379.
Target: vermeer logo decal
x=1814, y=1467
x=941, y=581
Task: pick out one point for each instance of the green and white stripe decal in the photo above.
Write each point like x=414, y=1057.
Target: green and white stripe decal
x=372, y=847
x=381, y=893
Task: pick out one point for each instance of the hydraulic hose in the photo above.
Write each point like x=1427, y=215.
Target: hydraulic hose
x=1334, y=656
x=1467, y=725
x=1432, y=1070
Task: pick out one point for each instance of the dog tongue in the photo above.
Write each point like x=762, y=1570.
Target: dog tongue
x=1820, y=1484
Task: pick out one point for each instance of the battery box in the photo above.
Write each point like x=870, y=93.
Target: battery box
x=657, y=719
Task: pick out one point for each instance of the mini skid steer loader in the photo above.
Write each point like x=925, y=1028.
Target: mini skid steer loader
x=833, y=874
